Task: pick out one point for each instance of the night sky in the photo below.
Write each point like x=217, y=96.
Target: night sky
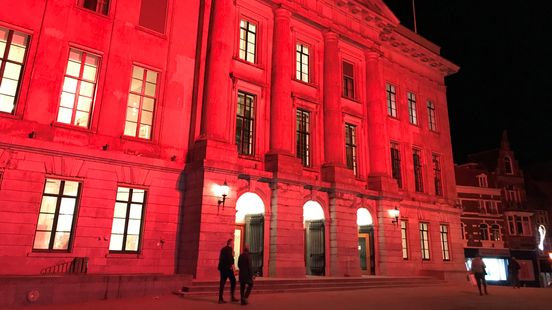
x=503, y=82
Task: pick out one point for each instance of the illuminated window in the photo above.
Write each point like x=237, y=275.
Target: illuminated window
x=351, y=148
x=432, y=122
x=412, y=114
x=245, y=123
x=495, y=232
x=424, y=240
x=141, y=103
x=437, y=175
x=248, y=41
x=396, y=163
x=56, y=219
x=303, y=136
x=418, y=176
x=404, y=239
x=302, y=63
x=79, y=88
x=13, y=49
x=99, y=6
x=391, y=94
x=348, y=80
x=445, y=241
x=153, y=14
x=483, y=232
x=482, y=180
x=508, y=165
x=128, y=216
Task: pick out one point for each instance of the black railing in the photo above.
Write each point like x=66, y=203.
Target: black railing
x=77, y=265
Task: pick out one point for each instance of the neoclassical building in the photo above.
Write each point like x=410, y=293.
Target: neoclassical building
x=141, y=135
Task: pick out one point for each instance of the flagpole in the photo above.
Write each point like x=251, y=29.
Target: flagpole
x=414, y=13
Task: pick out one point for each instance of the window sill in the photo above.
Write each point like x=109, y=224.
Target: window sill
x=94, y=13
x=10, y=115
x=72, y=127
x=49, y=254
x=253, y=64
x=152, y=32
x=124, y=255
x=250, y=157
x=395, y=118
x=136, y=139
x=309, y=84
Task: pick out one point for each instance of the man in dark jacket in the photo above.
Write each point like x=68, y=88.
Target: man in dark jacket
x=226, y=268
x=513, y=270
x=246, y=274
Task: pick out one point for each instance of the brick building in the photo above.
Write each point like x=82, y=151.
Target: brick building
x=121, y=121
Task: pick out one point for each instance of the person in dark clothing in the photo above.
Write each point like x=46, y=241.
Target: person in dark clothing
x=226, y=268
x=513, y=270
x=246, y=274
x=478, y=270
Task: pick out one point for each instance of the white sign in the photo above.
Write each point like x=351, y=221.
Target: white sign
x=542, y=235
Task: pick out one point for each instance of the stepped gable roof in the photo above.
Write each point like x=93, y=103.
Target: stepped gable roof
x=488, y=160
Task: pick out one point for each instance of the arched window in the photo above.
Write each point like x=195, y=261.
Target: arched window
x=483, y=232
x=508, y=165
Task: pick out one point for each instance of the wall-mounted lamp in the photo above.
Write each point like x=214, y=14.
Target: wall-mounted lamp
x=394, y=213
x=222, y=192
x=550, y=256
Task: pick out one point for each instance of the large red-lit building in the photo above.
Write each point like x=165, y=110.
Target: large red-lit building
x=121, y=120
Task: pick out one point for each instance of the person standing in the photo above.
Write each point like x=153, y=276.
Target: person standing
x=478, y=270
x=226, y=269
x=513, y=270
x=246, y=274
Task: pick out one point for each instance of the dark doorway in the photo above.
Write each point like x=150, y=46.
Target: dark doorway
x=366, y=249
x=315, y=248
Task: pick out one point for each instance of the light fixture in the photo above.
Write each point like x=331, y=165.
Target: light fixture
x=394, y=213
x=223, y=191
x=550, y=255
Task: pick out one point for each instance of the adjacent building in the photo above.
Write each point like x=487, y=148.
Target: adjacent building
x=141, y=135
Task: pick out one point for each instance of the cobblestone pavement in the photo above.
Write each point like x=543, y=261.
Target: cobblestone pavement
x=443, y=297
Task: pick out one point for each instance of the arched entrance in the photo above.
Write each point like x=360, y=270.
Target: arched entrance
x=366, y=241
x=250, y=229
x=315, y=254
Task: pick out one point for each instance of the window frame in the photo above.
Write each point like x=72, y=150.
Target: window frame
x=127, y=218
x=142, y=96
x=351, y=143
x=425, y=244
x=97, y=10
x=244, y=119
x=445, y=243
x=508, y=167
x=437, y=176
x=4, y=59
x=495, y=234
x=431, y=116
x=412, y=111
x=391, y=99
x=484, y=232
x=396, y=169
x=59, y=196
x=299, y=61
x=303, y=137
x=404, y=239
x=348, y=82
x=247, y=32
x=418, y=170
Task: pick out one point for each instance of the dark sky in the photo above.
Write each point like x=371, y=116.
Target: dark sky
x=503, y=82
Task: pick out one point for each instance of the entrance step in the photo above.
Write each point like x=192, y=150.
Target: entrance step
x=314, y=284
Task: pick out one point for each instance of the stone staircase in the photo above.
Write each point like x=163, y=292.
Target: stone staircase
x=314, y=284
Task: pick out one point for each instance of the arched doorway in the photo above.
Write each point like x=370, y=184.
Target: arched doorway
x=366, y=241
x=250, y=229
x=315, y=247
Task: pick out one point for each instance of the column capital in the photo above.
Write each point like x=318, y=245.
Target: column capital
x=281, y=12
x=330, y=35
x=371, y=54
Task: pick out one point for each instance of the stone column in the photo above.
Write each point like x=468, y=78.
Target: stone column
x=281, y=109
x=216, y=95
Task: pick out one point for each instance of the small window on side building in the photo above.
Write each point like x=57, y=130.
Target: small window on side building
x=153, y=15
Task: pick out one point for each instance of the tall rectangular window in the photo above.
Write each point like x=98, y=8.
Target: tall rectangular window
x=391, y=95
x=79, y=88
x=396, y=163
x=126, y=232
x=495, y=232
x=404, y=239
x=445, y=242
x=56, y=220
x=245, y=123
x=412, y=114
x=418, y=176
x=98, y=6
x=351, y=147
x=248, y=41
x=13, y=49
x=437, y=175
x=424, y=240
x=302, y=63
x=348, y=80
x=153, y=14
x=141, y=103
x=432, y=122
x=303, y=136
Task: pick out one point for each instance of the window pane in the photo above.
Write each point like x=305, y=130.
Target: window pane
x=48, y=204
x=150, y=89
x=12, y=71
x=147, y=104
x=17, y=53
x=145, y=131
x=61, y=241
x=2, y=43
x=136, y=86
x=122, y=193
x=138, y=195
x=75, y=55
x=73, y=68
x=135, y=211
x=92, y=60
x=146, y=118
x=70, y=85
x=45, y=222
x=133, y=100
x=6, y=103
x=118, y=226
x=52, y=186
x=67, y=100
x=137, y=72
x=89, y=73
x=116, y=243
x=42, y=240
x=133, y=227
x=81, y=119
x=67, y=205
x=130, y=129
x=132, y=243
x=8, y=87
x=132, y=114
x=120, y=210
x=64, y=223
x=87, y=89
x=84, y=104
x=151, y=77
